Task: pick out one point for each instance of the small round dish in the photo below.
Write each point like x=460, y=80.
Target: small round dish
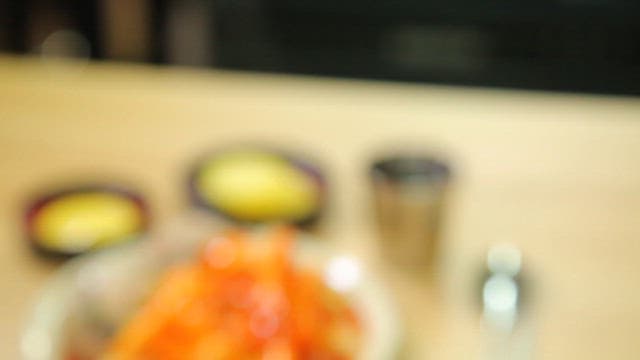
x=78, y=219
x=251, y=185
x=91, y=296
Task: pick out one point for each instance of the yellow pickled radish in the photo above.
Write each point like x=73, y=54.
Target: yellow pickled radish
x=257, y=186
x=81, y=221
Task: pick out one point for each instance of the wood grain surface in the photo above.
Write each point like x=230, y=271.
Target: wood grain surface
x=556, y=174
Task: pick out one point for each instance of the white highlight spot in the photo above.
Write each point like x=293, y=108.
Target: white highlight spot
x=500, y=300
x=342, y=273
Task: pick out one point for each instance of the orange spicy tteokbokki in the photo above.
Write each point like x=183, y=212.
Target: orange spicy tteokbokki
x=241, y=298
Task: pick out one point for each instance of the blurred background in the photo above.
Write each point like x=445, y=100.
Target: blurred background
x=532, y=105
x=567, y=45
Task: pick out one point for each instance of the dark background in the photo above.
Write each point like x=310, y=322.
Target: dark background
x=570, y=45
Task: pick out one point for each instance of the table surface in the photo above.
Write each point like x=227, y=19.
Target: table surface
x=556, y=174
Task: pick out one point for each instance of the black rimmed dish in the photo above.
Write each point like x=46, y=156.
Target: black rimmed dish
x=252, y=185
x=78, y=219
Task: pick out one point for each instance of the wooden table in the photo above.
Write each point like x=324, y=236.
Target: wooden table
x=558, y=175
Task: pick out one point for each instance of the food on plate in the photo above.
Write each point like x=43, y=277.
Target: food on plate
x=242, y=298
x=258, y=186
x=73, y=221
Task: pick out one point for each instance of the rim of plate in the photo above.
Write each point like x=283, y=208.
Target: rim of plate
x=42, y=337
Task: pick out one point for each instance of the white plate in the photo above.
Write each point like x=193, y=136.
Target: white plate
x=93, y=294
